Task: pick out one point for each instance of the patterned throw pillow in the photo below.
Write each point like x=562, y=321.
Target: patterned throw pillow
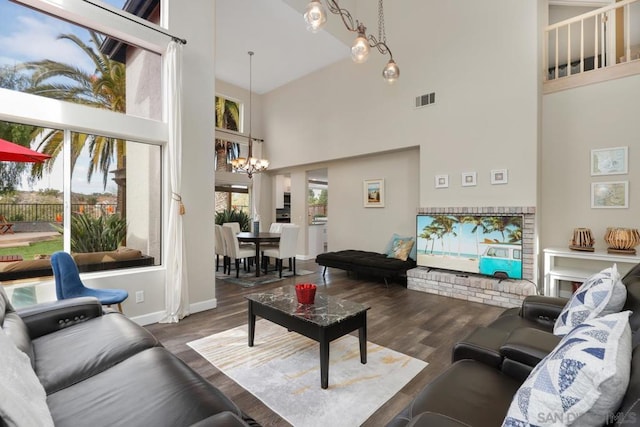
x=388, y=250
x=401, y=249
x=23, y=401
x=601, y=294
x=582, y=381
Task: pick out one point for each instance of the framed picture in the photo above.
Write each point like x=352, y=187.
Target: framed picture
x=442, y=181
x=374, y=193
x=610, y=195
x=469, y=179
x=499, y=176
x=610, y=161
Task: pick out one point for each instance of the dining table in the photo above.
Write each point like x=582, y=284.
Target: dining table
x=257, y=239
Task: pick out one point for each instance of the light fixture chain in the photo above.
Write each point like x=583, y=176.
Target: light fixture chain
x=250, y=101
x=382, y=34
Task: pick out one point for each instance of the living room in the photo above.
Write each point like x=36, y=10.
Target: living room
x=483, y=61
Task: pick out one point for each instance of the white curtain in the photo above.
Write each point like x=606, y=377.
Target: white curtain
x=176, y=289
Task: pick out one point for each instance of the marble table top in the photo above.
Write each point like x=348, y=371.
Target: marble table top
x=326, y=310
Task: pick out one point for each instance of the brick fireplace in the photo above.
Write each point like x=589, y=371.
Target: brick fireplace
x=478, y=288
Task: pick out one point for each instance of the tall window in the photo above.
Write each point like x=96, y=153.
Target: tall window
x=50, y=57
x=230, y=195
x=104, y=177
x=227, y=118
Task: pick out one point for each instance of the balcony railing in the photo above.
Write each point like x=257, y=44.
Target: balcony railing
x=603, y=38
x=50, y=212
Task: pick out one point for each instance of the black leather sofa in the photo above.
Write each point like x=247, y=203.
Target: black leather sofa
x=104, y=370
x=367, y=263
x=492, y=362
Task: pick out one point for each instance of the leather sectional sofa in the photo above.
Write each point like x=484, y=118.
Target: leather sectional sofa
x=490, y=365
x=104, y=370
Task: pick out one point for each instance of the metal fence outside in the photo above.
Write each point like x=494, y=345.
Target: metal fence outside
x=50, y=212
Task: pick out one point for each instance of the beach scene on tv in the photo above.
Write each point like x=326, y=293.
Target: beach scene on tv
x=487, y=245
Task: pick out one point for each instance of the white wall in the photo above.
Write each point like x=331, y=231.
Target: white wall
x=575, y=122
x=351, y=225
x=485, y=116
x=194, y=24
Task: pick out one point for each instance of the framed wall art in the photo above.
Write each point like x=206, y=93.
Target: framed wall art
x=442, y=181
x=610, y=195
x=610, y=161
x=469, y=179
x=373, y=193
x=499, y=176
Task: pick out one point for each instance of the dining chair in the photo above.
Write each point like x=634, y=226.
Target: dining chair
x=69, y=285
x=234, y=251
x=276, y=227
x=236, y=229
x=286, y=248
x=221, y=249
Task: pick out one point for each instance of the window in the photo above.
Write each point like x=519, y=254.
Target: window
x=229, y=197
x=32, y=198
x=228, y=114
x=76, y=64
x=498, y=252
x=104, y=173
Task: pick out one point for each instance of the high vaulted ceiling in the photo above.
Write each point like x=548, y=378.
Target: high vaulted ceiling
x=276, y=32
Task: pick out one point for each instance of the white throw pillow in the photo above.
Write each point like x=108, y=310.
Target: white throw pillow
x=582, y=381
x=23, y=401
x=601, y=294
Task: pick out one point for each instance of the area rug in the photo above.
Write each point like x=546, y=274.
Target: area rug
x=249, y=279
x=283, y=371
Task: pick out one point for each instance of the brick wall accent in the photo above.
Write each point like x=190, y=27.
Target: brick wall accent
x=477, y=288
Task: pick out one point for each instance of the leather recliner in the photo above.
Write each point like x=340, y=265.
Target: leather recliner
x=491, y=364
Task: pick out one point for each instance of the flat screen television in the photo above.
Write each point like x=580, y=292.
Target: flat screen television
x=490, y=245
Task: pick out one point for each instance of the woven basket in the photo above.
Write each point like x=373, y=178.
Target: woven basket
x=622, y=238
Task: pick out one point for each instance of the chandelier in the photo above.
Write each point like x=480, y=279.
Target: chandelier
x=316, y=17
x=250, y=164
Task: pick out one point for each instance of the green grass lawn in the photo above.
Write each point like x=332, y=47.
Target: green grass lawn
x=28, y=252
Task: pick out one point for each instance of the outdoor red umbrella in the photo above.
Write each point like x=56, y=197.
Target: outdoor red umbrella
x=10, y=152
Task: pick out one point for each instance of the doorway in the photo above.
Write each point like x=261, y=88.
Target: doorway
x=317, y=210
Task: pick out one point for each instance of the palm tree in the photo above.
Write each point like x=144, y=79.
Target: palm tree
x=104, y=88
x=445, y=225
x=478, y=224
x=502, y=224
x=11, y=172
x=426, y=234
x=227, y=117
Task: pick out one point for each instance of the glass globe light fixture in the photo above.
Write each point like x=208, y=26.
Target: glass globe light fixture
x=315, y=16
x=391, y=72
x=360, y=48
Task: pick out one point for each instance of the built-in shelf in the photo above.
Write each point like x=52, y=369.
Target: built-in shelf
x=555, y=271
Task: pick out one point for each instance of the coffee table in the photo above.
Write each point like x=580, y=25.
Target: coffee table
x=327, y=319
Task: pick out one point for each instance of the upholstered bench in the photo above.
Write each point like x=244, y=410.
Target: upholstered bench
x=368, y=263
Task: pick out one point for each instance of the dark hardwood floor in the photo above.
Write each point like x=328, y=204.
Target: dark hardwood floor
x=421, y=325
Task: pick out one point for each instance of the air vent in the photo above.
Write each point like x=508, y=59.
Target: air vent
x=426, y=99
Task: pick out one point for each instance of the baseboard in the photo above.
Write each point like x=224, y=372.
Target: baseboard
x=305, y=257
x=150, y=318
x=203, y=305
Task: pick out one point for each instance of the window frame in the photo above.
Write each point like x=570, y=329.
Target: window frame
x=19, y=107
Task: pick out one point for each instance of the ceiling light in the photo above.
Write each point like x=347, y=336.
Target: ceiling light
x=250, y=164
x=316, y=17
x=360, y=48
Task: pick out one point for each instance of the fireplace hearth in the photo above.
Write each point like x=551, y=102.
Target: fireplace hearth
x=478, y=288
